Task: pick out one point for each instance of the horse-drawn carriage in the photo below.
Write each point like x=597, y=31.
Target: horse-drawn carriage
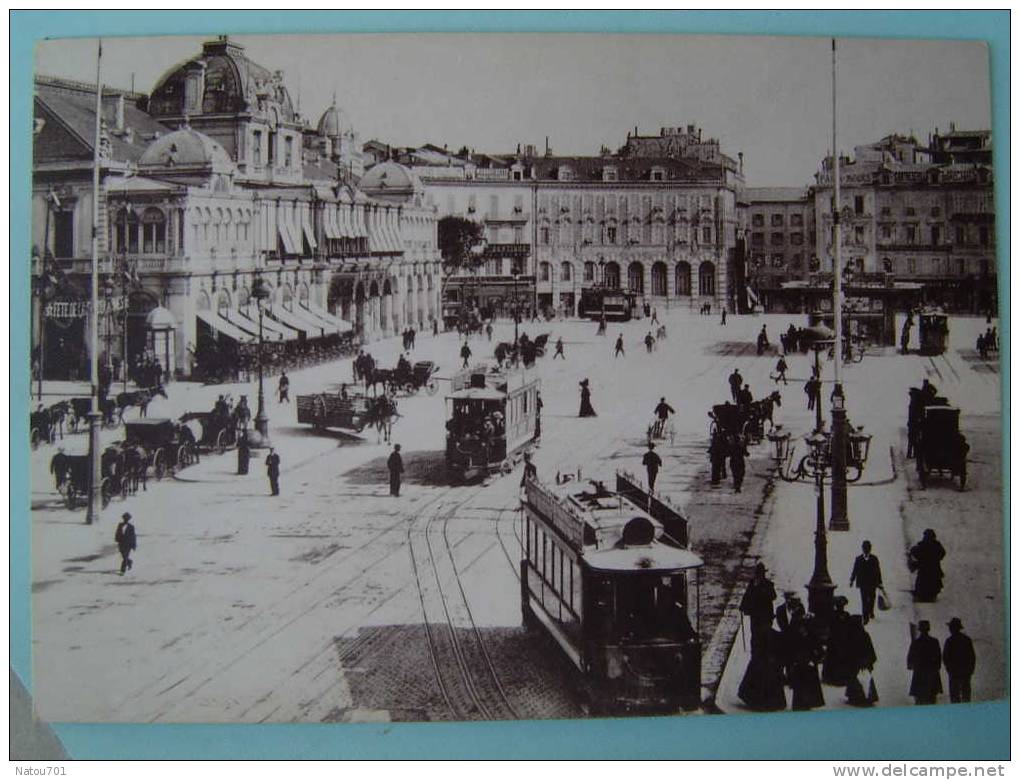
x=526, y=350
x=351, y=411
x=406, y=378
x=45, y=423
x=940, y=446
x=218, y=431
x=167, y=446
x=747, y=420
x=72, y=477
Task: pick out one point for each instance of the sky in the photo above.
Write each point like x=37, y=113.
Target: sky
x=770, y=98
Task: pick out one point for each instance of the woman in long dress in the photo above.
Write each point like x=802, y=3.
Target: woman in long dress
x=762, y=685
x=587, y=410
x=926, y=558
x=861, y=653
x=805, y=653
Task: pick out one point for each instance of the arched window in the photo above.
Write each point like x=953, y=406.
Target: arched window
x=127, y=231
x=544, y=272
x=153, y=231
x=659, y=278
x=636, y=277
x=683, y=278
x=612, y=276
x=706, y=278
x=589, y=271
x=565, y=271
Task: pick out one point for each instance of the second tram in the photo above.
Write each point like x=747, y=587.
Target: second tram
x=492, y=416
x=616, y=305
x=607, y=574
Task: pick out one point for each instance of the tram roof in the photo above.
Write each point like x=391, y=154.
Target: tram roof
x=477, y=394
x=644, y=558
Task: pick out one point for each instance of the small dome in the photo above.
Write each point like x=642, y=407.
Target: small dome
x=331, y=122
x=186, y=148
x=390, y=179
x=161, y=319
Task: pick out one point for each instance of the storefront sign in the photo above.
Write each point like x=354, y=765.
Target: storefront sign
x=69, y=310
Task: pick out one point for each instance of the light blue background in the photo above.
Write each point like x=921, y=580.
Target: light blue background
x=974, y=731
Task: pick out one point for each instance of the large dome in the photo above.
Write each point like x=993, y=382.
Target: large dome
x=331, y=123
x=390, y=179
x=222, y=80
x=186, y=148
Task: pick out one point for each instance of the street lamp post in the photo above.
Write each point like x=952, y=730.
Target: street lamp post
x=261, y=440
x=820, y=587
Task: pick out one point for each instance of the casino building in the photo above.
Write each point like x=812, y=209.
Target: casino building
x=210, y=181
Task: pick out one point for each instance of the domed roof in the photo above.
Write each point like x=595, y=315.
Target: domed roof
x=186, y=148
x=390, y=179
x=222, y=80
x=331, y=122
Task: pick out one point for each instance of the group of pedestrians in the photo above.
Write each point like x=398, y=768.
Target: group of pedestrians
x=408, y=337
x=790, y=647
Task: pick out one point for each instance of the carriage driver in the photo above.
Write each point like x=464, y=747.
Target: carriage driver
x=403, y=366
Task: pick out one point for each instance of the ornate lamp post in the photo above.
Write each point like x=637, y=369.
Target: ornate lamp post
x=820, y=587
x=261, y=437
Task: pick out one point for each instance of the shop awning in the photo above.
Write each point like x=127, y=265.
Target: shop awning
x=312, y=327
x=306, y=227
x=288, y=318
x=271, y=329
x=224, y=327
x=331, y=323
x=358, y=223
x=288, y=237
x=329, y=222
x=344, y=223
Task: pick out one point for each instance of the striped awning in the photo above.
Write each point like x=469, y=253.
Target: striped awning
x=224, y=327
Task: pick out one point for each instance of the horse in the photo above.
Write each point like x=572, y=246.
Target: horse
x=762, y=409
x=134, y=467
x=60, y=466
x=40, y=424
x=140, y=398
x=382, y=411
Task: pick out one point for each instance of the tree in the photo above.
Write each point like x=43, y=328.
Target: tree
x=459, y=239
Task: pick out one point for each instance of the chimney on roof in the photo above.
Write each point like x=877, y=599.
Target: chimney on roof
x=635, y=131
x=548, y=151
x=740, y=156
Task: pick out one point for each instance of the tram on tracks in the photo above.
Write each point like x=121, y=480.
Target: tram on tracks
x=613, y=304
x=492, y=416
x=608, y=575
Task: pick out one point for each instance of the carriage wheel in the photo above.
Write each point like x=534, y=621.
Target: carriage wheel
x=410, y=389
x=432, y=387
x=158, y=464
x=221, y=441
x=183, y=456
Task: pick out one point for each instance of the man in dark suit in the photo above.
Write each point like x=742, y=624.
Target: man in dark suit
x=924, y=659
x=652, y=463
x=958, y=658
x=867, y=575
x=273, y=471
x=395, y=464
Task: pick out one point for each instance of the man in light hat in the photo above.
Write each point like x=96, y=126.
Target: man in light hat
x=958, y=658
x=924, y=659
x=126, y=541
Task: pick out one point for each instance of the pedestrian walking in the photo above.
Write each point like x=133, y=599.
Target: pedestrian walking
x=655, y=316
x=559, y=350
x=662, y=412
x=530, y=472
x=738, y=464
x=813, y=388
x=757, y=601
x=619, y=347
x=488, y=330
x=435, y=326
x=803, y=653
x=273, y=471
x=926, y=559
x=860, y=688
x=413, y=335
x=924, y=659
x=649, y=342
x=838, y=666
x=781, y=370
x=602, y=326
x=905, y=334
x=717, y=452
x=761, y=688
x=736, y=382
x=722, y=320
x=395, y=464
x=587, y=410
x=867, y=574
x=465, y=352
x=958, y=658
x=126, y=541
x=243, y=453
x=652, y=463
x=283, y=388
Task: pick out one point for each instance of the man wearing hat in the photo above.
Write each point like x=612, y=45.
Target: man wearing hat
x=395, y=464
x=958, y=658
x=791, y=610
x=924, y=659
x=273, y=471
x=652, y=463
x=126, y=542
x=867, y=574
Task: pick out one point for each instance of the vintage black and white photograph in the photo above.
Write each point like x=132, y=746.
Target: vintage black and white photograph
x=457, y=377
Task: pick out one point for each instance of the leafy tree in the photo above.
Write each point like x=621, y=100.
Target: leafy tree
x=459, y=240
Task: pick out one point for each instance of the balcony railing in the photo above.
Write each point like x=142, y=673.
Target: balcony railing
x=507, y=250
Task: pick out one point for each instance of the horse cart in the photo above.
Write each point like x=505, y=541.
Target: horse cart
x=72, y=477
x=167, y=446
x=941, y=448
x=218, y=431
x=354, y=412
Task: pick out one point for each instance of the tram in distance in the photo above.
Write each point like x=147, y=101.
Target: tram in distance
x=492, y=416
x=616, y=305
x=607, y=574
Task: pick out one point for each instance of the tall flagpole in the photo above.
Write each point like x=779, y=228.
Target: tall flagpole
x=92, y=514
x=839, y=520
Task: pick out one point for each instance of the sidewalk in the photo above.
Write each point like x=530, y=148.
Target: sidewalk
x=788, y=553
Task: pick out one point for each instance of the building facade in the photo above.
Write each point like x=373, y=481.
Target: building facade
x=780, y=240
x=209, y=182
x=658, y=218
